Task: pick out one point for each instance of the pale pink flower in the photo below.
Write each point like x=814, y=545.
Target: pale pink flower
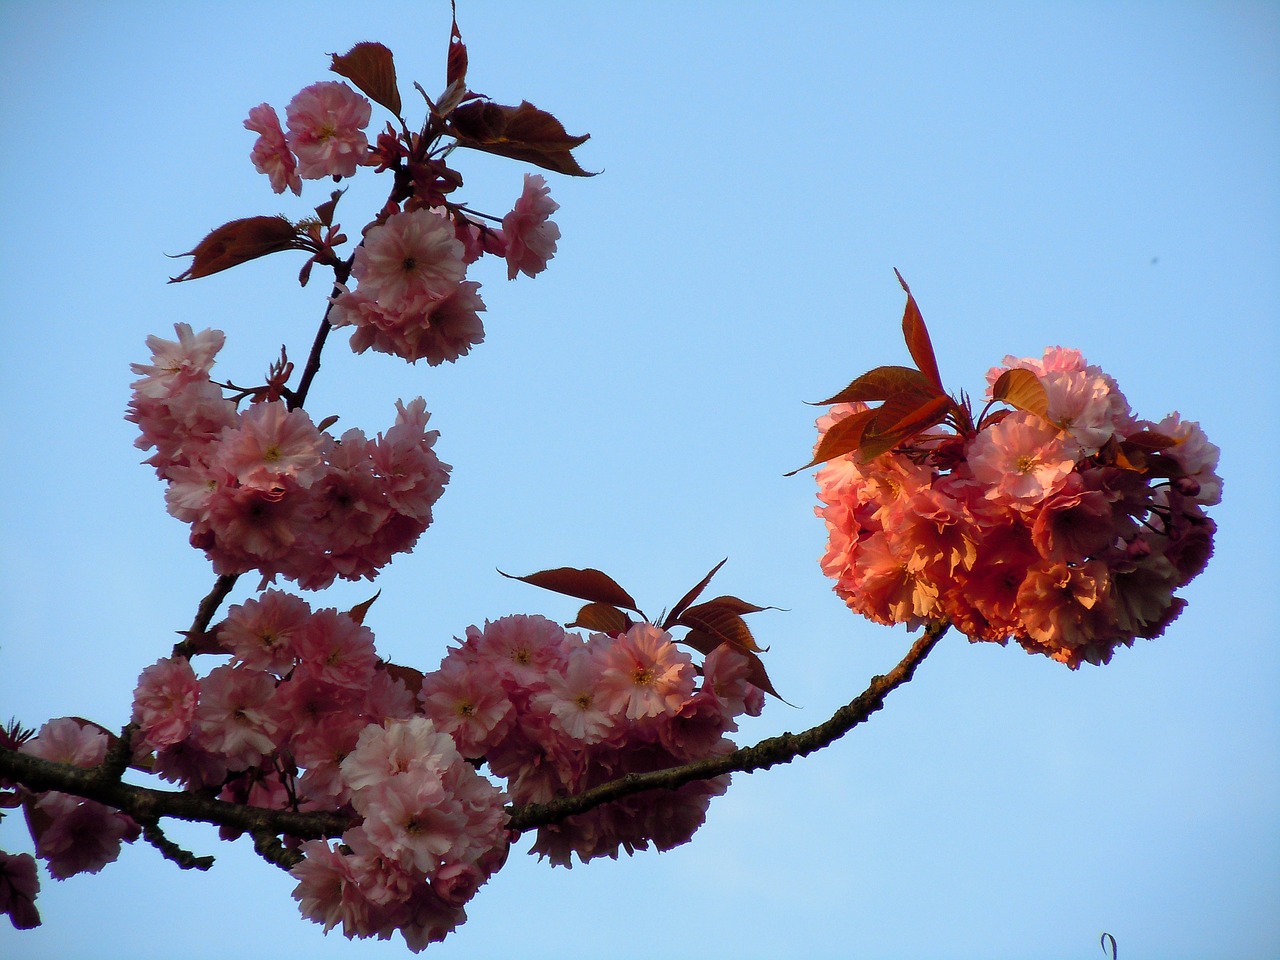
x=67, y=740
x=432, y=328
x=1081, y=404
x=573, y=699
x=398, y=746
x=530, y=237
x=271, y=154
x=326, y=122
x=1195, y=455
x=410, y=256
x=174, y=363
x=411, y=819
x=644, y=674
x=725, y=673
x=269, y=444
x=329, y=893
x=164, y=702
x=1022, y=460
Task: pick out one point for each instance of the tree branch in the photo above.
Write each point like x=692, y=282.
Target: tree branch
x=762, y=756
x=145, y=804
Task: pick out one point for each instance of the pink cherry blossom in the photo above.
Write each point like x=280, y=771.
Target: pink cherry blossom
x=261, y=632
x=270, y=444
x=271, y=154
x=19, y=885
x=74, y=835
x=164, y=702
x=1022, y=459
x=233, y=717
x=644, y=674
x=174, y=363
x=67, y=740
x=326, y=122
x=530, y=237
x=410, y=256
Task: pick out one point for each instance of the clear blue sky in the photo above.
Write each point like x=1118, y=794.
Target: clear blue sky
x=1100, y=175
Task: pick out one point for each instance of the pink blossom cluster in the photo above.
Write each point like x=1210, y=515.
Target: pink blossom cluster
x=264, y=489
x=1068, y=532
x=412, y=300
x=567, y=713
x=72, y=835
x=325, y=139
x=305, y=716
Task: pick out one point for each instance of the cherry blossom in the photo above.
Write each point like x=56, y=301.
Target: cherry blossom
x=326, y=122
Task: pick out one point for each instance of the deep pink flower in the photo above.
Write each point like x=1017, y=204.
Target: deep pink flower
x=463, y=701
x=261, y=632
x=233, y=717
x=271, y=154
x=19, y=884
x=326, y=122
x=74, y=835
x=1074, y=524
x=333, y=648
x=530, y=237
x=1068, y=612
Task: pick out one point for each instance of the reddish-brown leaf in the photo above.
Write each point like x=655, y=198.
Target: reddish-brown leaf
x=325, y=211
x=1022, y=390
x=704, y=643
x=371, y=68
x=357, y=613
x=238, y=242
x=692, y=595
x=715, y=620
x=882, y=383
x=410, y=677
x=757, y=676
x=603, y=618
x=843, y=436
x=917, y=337
x=456, y=71
x=1150, y=440
x=585, y=584
x=521, y=133
x=901, y=422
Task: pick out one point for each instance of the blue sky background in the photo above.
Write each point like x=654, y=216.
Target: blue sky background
x=1102, y=176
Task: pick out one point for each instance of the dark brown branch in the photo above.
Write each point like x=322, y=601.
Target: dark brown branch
x=191, y=642
x=171, y=851
x=767, y=753
x=145, y=804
